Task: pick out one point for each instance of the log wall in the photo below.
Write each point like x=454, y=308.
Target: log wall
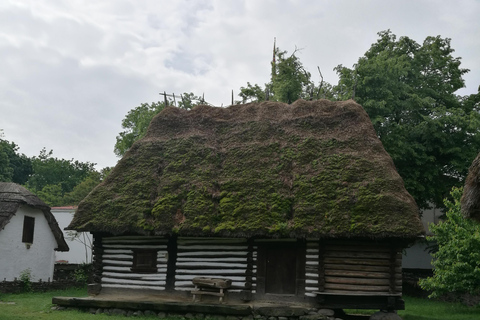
x=234, y=259
x=348, y=267
x=117, y=261
x=311, y=268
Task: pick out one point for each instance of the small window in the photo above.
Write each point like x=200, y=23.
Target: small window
x=144, y=261
x=28, y=229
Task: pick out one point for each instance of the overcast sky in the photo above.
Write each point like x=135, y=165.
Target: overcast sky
x=71, y=70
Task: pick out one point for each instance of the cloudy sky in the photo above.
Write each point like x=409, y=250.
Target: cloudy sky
x=71, y=70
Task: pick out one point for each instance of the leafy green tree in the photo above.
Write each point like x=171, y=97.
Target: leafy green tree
x=408, y=90
x=457, y=261
x=135, y=124
x=137, y=120
x=82, y=189
x=252, y=93
x=14, y=167
x=290, y=80
x=58, y=176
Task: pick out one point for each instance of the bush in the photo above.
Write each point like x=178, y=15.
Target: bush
x=457, y=261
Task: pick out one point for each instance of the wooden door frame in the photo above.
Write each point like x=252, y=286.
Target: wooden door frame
x=300, y=248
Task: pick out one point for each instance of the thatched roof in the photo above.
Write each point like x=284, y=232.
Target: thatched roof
x=12, y=196
x=310, y=169
x=471, y=193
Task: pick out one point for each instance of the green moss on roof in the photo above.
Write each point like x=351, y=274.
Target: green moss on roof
x=310, y=169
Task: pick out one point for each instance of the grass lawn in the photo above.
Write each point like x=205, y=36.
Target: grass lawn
x=37, y=306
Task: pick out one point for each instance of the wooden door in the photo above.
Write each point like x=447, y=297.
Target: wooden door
x=280, y=270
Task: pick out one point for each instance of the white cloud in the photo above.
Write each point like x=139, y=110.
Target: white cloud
x=71, y=70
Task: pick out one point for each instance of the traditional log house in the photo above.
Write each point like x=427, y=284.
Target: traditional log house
x=296, y=203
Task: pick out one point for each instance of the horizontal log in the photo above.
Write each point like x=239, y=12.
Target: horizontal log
x=135, y=276
x=311, y=275
x=117, y=262
x=359, y=274
x=203, y=265
x=311, y=289
x=312, y=257
x=210, y=273
x=356, y=288
x=359, y=281
x=368, y=262
x=312, y=251
x=117, y=251
x=118, y=256
x=129, y=269
x=126, y=286
x=136, y=242
x=212, y=247
x=358, y=254
x=209, y=239
x=212, y=253
x=136, y=282
x=157, y=238
x=360, y=267
x=221, y=259
x=355, y=248
x=133, y=246
x=193, y=276
x=311, y=281
x=311, y=263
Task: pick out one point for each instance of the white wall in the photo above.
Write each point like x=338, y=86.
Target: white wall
x=15, y=257
x=78, y=253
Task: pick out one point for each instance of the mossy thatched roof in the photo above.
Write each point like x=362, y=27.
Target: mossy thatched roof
x=470, y=201
x=310, y=169
x=12, y=196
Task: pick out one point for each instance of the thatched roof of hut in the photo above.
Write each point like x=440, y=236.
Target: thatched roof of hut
x=310, y=169
x=470, y=201
x=12, y=196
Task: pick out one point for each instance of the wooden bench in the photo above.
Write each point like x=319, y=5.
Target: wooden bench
x=210, y=286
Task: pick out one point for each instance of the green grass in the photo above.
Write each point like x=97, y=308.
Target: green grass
x=426, y=309
x=37, y=306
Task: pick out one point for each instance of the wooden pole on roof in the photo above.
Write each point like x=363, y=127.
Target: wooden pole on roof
x=165, y=98
x=232, y=97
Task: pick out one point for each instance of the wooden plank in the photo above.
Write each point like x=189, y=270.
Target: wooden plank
x=135, y=276
x=126, y=286
x=356, y=288
x=212, y=253
x=355, y=248
x=212, y=247
x=215, y=265
x=359, y=281
x=221, y=259
x=368, y=262
x=360, y=274
x=358, y=254
x=361, y=268
x=132, y=246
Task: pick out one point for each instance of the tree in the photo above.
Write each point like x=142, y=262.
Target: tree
x=14, y=167
x=290, y=80
x=135, y=124
x=52, y=178
x=457, y=261
x=408, y=90
x=137, y=120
